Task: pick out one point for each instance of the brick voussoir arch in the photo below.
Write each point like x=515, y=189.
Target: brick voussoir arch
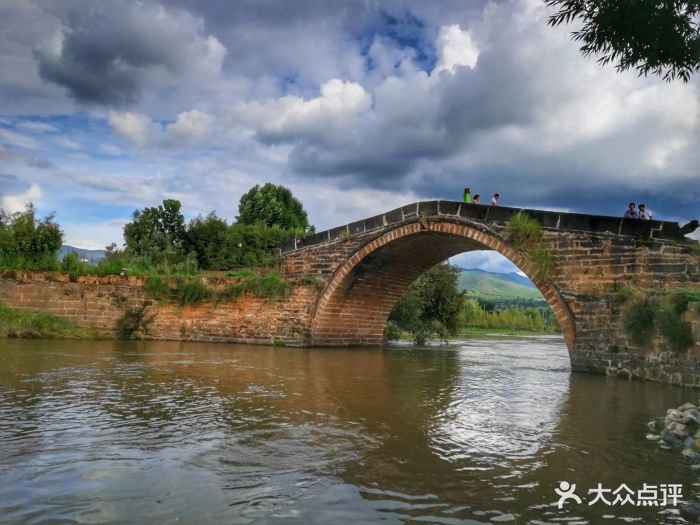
x=344, y=315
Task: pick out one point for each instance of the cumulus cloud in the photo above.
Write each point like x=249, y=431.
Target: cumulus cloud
x=187, y=130
x=107, y=52
x=357, y=106
x=17, y=202
x=290, y=117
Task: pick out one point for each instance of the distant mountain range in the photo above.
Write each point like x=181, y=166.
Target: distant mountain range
x=92, y=256
x=491, y=286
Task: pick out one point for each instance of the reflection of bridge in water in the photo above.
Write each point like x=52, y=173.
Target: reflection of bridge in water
x=365, y=266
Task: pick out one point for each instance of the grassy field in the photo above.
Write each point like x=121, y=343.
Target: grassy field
x=18, y=323
x=470, y=331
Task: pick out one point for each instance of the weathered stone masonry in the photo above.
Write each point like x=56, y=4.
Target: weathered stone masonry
x=366, y=266
x=101, y=301
x=360, y=269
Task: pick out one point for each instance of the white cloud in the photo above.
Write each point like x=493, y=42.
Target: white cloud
x=339, y=102
x=18, y=202
x=17, y=139
x=187, y=130
x=37, y=127
x=138, y=129
x=69, y=143
x=455, y=48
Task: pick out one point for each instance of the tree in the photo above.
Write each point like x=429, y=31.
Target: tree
x=431, y=305
x=28, y=243
x=208, y=238
x=661, y=37
x=272, y=205
x=157, y=233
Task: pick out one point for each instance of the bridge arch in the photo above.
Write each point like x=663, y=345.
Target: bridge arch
x=355, y=304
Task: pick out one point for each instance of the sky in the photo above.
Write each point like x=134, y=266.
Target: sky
x=358, y=106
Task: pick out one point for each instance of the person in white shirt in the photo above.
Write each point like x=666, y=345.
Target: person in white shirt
x=644, y=213
x=494, y=199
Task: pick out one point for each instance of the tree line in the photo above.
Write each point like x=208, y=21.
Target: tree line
x=159, y=240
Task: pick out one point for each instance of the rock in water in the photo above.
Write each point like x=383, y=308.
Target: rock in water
x=691, y=512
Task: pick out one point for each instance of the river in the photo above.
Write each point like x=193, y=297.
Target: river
x=481, y=431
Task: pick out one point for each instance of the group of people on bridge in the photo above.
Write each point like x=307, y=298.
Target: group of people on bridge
x=643, y=213
x=631, y=212
x=477, y=198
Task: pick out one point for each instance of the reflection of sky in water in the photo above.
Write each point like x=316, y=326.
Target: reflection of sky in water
x=158, y=432
x=506, y=404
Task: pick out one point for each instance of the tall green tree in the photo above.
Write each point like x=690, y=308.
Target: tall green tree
x=273, y=205
x=430, y=306
x=157, y=233
x=661, y=37
x=27, y=242
x=209, y=238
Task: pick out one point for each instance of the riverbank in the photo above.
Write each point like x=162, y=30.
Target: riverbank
x=30, y=325
x=471, y=331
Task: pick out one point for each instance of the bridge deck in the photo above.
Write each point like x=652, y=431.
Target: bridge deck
x=550, y=220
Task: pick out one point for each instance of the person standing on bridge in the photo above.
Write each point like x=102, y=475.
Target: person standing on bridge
x=644, y=213
x=494, y=199
x=467, y=196
x=477, y=199
x=631, y=213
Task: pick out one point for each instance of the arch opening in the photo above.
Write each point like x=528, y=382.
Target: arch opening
x=355, y=305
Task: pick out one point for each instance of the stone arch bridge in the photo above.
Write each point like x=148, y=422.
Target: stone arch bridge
x=362, y=268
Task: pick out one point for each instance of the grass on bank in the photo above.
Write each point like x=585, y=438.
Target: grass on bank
x=18, y=323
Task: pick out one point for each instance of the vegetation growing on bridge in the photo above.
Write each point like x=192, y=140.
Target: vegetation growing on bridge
x=193, y=290
x=525, y=234
x=650, y=313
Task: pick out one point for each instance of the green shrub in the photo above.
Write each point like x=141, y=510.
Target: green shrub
x=623, y=295
x=638, y=320
x=243, y=274
x=677, y=332
x=544, y=262
x=191, y=292
x=695, y=248
x=134, y=323
x=523, y=230
x=72, y=264
x=19, y=323
x=157, y=287
x=28, y=243
x=391, y=331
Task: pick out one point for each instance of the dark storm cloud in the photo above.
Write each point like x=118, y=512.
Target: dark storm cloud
x=110, y=48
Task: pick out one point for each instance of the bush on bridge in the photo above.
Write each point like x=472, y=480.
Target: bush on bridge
x=525, y=234
x=649, y=313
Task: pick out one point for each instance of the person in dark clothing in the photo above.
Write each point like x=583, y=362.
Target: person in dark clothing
x=630, y=213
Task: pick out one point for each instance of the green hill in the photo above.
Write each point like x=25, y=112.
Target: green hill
x=497, y=287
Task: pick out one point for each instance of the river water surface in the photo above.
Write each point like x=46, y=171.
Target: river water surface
x=482, y=431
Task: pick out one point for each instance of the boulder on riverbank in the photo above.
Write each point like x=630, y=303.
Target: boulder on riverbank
x=679, y=430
